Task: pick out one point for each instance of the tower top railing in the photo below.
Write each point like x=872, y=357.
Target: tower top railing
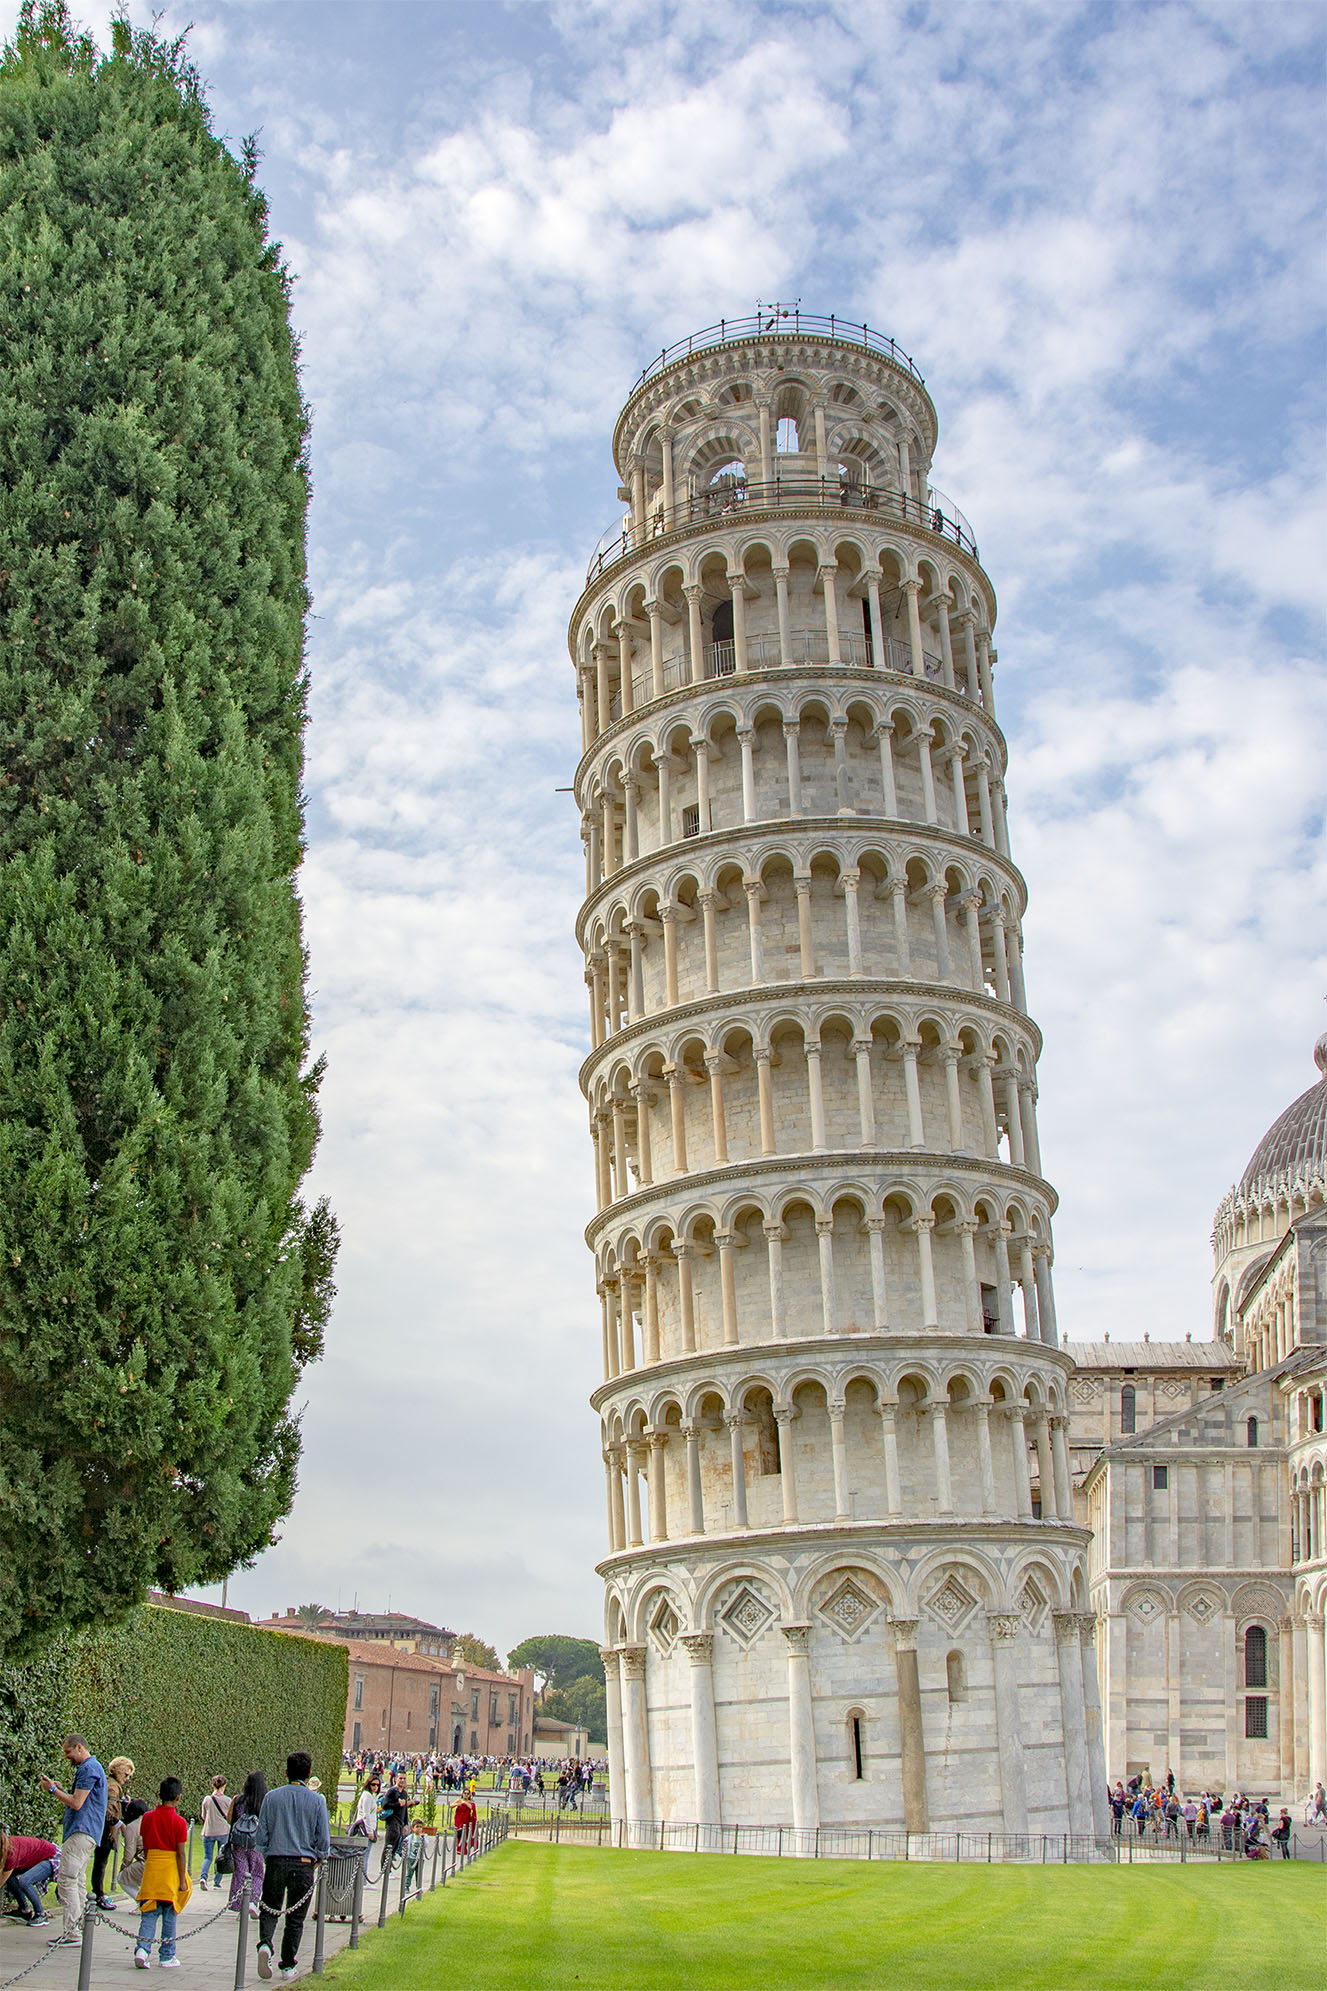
x=779, y=319
x=727, y=500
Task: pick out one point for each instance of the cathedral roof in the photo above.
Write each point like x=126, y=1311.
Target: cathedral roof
x=1152, y=1355
x=1295, y=1144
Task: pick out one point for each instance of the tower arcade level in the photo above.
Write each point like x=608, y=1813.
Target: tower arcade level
x=844, y=1583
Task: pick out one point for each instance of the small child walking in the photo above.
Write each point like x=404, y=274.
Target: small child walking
x=165, y=1887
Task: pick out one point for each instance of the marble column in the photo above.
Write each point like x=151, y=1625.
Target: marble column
x=1096, y=1740
x=889, y=1440
x=1004, y=1628
x=916, y=1813
x=1317, y=1699
x=617, y=1774
x=695, y=1486
x=736, y=1424
x=785, y=1416
x=635, y=1737
x=704, y=1733
x=1073, y=1721
x=801, y=1730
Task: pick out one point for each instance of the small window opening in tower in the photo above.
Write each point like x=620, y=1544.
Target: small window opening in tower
x=691, y=819
x=786, y=437
x=723, y=655
x=1128, y=1410
x=858, y=1769
x=1251, y=1433
x=767, y=1437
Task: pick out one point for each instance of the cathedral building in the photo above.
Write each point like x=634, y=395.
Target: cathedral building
x=878, y=1547
x=1202, y=1467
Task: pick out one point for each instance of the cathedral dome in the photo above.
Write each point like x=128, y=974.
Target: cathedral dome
x=1296, y=1143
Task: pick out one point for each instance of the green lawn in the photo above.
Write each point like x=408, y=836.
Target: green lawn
x=529, y=1917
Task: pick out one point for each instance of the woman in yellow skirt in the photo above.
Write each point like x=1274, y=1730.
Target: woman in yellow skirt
x=165, y=1886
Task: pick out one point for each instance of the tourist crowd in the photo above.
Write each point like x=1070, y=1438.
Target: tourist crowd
x=573, y=1780
x=265, y=1845
x=1161, y=1812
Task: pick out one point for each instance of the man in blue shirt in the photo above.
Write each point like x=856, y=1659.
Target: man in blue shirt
x=85, y=1820
x=294, y=1837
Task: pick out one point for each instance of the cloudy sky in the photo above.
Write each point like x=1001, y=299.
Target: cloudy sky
x=1097, y=229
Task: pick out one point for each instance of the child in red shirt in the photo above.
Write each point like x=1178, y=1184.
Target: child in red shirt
x=165, y=1886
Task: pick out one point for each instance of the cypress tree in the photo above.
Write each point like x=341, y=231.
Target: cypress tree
x=161, y=1283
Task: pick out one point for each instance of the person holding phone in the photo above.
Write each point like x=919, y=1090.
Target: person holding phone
x=84, y=1822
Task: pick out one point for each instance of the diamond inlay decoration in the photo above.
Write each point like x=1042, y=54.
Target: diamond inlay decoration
x=664, y=1626
x=1201, y=1608
x=746, y=1615
x=1032, y=1604
x=848, y=1609
x=1145, y=1607
x=953, y=1603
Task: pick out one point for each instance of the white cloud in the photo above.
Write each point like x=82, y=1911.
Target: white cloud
x=1095, y=231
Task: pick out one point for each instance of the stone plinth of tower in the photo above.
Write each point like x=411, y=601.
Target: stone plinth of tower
x=844, y=1583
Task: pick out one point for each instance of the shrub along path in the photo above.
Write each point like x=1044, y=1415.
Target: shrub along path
x=543, y=1918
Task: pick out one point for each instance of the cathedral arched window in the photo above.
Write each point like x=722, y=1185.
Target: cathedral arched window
x=1255, y=1657
x=1128, y=1410
x=1251, y=1433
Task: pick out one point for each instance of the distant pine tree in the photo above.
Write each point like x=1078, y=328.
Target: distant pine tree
x=161, y=1285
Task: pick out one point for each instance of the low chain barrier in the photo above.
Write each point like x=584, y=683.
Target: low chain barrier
x=341, y=1877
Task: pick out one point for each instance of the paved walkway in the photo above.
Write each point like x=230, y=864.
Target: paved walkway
x=207, y=1949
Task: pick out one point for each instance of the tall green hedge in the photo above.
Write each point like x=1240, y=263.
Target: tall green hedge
x=183, y=1696
x=161, y=1283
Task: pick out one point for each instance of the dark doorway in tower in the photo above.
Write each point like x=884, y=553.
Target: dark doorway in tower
x=724, y=652
x=866, y=626
x=990, y=1310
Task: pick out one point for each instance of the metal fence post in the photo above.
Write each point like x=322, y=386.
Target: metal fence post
x=405, y=1872
x=356, y=1905
x=320, y=1921
x=433, y=1870
x=85, y=1948
x=386, y=1879
x=241, y=1940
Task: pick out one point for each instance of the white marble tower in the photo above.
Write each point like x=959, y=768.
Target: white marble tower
x=844, y=1583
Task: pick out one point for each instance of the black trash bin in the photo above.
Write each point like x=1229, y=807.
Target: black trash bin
x=347, y=1858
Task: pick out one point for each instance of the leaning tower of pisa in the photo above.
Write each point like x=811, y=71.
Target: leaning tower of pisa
x=845, y=1584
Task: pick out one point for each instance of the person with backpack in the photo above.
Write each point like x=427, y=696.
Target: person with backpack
x=243, y=1842
x=165, y=1887
x=395, y=1810
x=214, y=1817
